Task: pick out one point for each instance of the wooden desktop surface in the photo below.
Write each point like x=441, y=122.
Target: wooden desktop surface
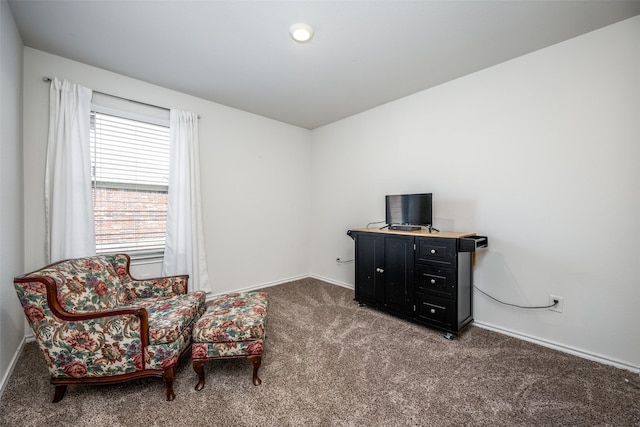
x=422, y=233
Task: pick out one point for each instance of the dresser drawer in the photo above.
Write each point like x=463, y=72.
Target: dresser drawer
x=436, y=250
x=435, y=309
x=436, y=280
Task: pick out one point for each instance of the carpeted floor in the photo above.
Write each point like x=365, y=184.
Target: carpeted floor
x=328, y=362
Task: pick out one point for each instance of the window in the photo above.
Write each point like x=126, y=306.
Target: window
x=130, y=176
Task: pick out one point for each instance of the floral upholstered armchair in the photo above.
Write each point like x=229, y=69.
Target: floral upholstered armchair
x=96, y=324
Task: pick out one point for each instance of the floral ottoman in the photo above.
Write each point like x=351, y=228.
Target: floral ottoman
x=234, y=325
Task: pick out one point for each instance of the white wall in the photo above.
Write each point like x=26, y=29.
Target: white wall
x=541, y=154
x=254, y=173
x=11, y=224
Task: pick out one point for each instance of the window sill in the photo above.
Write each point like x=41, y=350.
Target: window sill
x=146, y=258
x=139, y=258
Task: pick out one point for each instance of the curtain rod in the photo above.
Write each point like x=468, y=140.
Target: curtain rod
x=48, y=79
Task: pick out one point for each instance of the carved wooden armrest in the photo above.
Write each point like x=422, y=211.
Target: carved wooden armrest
x=60, y=312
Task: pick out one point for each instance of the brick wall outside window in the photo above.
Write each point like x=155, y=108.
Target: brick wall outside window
x=129, y=216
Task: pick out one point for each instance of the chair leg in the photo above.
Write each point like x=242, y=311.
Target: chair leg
x=59, y=393
x=168, y=381
x=198, y=366
x=256, y=361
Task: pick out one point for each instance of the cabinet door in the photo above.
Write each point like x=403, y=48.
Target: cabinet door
x=398, y=274
x=369, y=268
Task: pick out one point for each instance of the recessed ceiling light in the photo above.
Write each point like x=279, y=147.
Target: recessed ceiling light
x=301, y=32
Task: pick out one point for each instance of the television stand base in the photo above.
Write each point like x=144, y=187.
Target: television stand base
x=405, y=227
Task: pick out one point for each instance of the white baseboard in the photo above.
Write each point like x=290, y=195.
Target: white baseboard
x=280, y=282
x=333, y=282
x=560, y=347
x=212, y=295
x=12, y=365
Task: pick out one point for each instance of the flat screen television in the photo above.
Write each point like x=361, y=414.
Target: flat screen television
x=404, y=211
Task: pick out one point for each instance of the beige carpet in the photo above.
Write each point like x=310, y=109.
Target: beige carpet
x=328, y=362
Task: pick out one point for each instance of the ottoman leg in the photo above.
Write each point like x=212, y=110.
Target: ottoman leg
x=198, y=366
x=256, y=361
x=59, y=393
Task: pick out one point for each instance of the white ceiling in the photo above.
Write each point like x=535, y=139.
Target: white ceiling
x=363, y=53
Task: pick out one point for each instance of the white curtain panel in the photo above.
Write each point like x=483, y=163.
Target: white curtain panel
x=184, y=251
x=68, y=203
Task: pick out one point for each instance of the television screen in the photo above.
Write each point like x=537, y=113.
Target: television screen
x=409, y=209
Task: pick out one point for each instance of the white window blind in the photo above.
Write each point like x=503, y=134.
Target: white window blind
x=130, y=175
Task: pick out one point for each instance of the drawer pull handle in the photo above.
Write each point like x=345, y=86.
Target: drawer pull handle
x=433, y=281
x=433, y=251
x=434, y=306
x=433, y=311
x=379, y=270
